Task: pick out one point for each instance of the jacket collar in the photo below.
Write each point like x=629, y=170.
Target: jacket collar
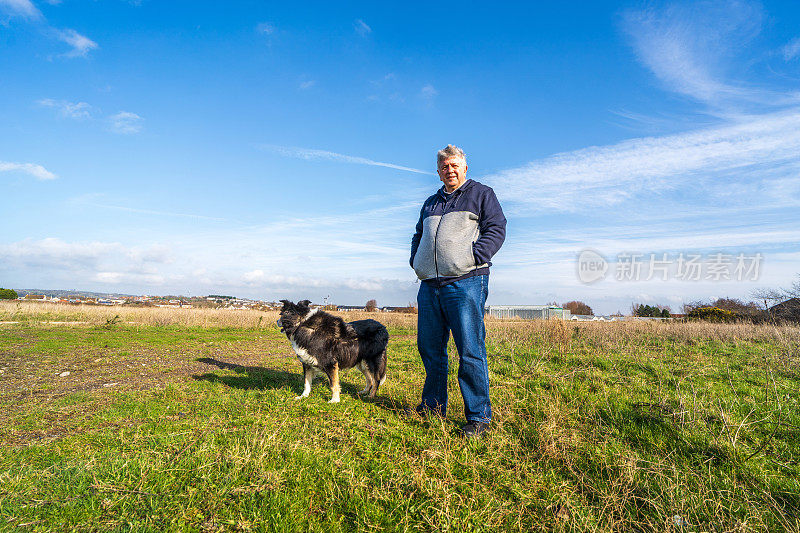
x=467, y=185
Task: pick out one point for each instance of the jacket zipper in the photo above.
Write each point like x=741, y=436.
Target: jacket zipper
x=436, y=237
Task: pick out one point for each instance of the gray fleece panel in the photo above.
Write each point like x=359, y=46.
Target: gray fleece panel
x=445, y=249
x=424, y=264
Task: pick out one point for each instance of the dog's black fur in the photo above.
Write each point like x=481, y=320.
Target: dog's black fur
x=326, y=343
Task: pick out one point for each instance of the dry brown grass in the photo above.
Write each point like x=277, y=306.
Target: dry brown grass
x=513, y=333
x=156, y=316
x=15, y=311
x=560, y=334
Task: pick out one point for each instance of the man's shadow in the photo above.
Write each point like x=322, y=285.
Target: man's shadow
x=259, y=377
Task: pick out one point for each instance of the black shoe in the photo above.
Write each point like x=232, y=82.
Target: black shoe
x=474, y=429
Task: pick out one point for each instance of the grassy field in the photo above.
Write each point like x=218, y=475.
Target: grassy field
x=167, y=419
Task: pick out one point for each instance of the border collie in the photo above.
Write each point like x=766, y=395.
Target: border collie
x=326, y=344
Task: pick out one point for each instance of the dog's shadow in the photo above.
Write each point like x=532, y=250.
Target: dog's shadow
x=259, y=377
x=249, y=377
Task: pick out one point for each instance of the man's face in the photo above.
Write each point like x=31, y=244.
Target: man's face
x=453, y=173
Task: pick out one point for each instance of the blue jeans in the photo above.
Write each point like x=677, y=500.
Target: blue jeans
x=456, y=307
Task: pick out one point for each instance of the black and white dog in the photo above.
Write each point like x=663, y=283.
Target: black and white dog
x=325, y=343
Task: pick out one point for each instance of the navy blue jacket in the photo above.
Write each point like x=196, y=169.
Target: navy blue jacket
x=457, y=234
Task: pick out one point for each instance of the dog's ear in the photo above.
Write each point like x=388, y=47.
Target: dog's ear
x=303, y=303
x=286, y=303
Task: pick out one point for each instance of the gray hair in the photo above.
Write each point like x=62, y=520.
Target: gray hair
x=450, y=151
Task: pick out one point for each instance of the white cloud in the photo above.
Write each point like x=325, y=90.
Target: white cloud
x=266, y=28
x=76, y=110
x=254, y=276
x=754, y=155
x=123, y=122
x=307, y=84
x=556, y=245
x=81, y=45
x=84, y=262
x=21, y=8
x=99, y=200
x=382, y=81
x=361, y=27
x=151, y=211
x=156, y=253
x=260, y=278
x=37, y=171
x=55, y=252
x=126, y=123
x=428, y=92
x=311, y=154
x=690, y=47
x=791, y=50
x=109, y=277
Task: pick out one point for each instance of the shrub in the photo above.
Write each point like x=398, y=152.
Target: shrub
x=8, y=294
x=713, y=314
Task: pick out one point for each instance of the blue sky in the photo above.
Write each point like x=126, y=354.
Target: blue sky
x=271, y=151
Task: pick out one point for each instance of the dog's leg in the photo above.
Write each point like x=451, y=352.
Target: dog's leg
x=381, y=370
x=335, y=388
x=368, y=377
x=308, y=372
x=373, y=385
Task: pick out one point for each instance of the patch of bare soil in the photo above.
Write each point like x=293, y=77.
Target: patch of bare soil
x=30, y=383
x=26, y=378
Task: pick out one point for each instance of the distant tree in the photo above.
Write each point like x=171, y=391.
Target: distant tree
x=746, y=310
x=371, y=306
x=8, y=294
x=771, y=297
x=577, y=308
x=410, y=308
x=654, y=311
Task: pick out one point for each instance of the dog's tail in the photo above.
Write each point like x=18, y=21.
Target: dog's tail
x=381, y=370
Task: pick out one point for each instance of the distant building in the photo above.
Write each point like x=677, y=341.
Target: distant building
x=527, y=311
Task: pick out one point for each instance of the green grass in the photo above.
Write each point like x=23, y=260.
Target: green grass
x=197, y=429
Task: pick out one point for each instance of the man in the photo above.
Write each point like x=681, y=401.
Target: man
x=460, y=228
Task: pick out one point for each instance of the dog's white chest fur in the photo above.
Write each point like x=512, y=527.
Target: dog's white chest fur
x=303, y=355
